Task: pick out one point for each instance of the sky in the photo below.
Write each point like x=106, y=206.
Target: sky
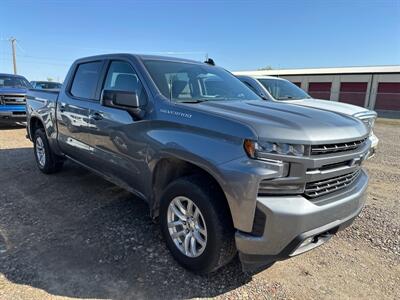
x=238, y=35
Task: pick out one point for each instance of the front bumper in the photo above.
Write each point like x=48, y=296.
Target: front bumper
x=374, y=141
x=12, y=112
x=374, y=144
x=292, y=220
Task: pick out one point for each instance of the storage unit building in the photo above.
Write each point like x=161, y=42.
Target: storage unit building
x=377, y=88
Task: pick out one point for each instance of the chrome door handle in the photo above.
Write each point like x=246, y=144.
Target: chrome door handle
x=62, y=107
x=97, y=116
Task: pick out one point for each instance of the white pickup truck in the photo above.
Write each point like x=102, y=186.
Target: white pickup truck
x=278, y=89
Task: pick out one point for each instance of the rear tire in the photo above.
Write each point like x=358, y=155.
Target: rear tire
x=208, y=222
x=46, y=160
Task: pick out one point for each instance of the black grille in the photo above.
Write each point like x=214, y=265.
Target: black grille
x=12, y=99
x=323, y=187
x=332, y=148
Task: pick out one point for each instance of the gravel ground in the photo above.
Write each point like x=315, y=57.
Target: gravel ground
x=75, y=235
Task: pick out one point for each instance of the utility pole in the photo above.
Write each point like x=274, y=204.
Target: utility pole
x=13, y=40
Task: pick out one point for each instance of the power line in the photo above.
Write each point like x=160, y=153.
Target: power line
x=20, y=48
x=44, y=59
x=37, y=62
x=66, y=62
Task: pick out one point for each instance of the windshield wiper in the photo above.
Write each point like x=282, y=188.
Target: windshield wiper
x=192, y=101
x=287, y=98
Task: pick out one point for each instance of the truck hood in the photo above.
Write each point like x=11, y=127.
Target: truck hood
x=288, y=123
x=11, y=91
x=344, y=108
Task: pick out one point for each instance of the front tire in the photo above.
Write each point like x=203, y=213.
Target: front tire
x=196, y=224
x=46, y=160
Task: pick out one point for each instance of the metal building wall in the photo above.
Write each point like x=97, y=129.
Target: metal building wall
x=379, y=92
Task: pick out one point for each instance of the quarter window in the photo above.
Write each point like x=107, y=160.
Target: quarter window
x=86, y=78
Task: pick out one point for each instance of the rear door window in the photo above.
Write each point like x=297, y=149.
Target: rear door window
x=86, y=79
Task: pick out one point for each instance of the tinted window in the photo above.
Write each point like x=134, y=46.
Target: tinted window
x=192, y=82
x=122, y=77
x=47, y=85
x=14, y=81
x=86, y=79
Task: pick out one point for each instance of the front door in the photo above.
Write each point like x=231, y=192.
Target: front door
x=119, y=148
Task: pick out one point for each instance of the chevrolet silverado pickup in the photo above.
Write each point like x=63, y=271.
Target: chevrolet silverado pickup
x=13, y=90
x=223, y=171
x=272, y=88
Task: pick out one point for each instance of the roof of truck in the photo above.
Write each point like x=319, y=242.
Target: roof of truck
x=12, y=75
x=168, y=58
x=44, y=81
x=140, y=57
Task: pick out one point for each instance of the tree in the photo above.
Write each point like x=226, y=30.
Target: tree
x=49, y=79
x=265, y=68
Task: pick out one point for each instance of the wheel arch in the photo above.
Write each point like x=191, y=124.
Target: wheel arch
x=168, y=169
x=34, y=124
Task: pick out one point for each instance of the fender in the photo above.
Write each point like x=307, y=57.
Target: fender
x=43, y=110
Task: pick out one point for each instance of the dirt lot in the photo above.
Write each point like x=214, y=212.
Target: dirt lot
x=75, y=235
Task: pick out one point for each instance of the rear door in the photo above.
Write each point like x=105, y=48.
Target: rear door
x=73, y=110
x=118, y=143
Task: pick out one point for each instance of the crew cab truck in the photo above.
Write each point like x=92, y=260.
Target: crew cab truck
x=13, y=90
x=272, y=88
x=223, y=171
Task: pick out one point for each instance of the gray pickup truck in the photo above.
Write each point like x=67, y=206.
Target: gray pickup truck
x=223, y=171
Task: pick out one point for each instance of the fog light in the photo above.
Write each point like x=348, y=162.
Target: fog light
x=272, y=187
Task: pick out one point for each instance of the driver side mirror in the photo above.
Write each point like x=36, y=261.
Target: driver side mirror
x=123, y=100
x=263, y=96
x=120, y=99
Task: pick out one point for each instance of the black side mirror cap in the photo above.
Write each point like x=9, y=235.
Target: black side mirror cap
x=122, y=99
x=128, y=101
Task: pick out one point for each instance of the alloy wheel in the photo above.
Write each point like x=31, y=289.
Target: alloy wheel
x=40, y=151
x=186, y=226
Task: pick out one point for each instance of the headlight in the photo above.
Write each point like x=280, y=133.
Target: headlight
x=368, y=118
x=369, y=123
x=257, y=149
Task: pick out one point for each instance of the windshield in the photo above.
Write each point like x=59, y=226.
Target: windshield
x=191, y=82
x=283, y=89
x=47, y=85
x=13, y=81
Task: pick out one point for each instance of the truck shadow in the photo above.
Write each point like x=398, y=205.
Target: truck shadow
x=4, y=125
x=74, y=234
